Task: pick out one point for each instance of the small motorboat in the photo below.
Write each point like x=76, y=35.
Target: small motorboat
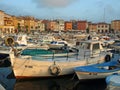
x=98, y=71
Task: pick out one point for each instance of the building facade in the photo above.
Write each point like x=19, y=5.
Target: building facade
x=115, y=25
x=82, y=25
x=68, y=25
x=92, y=27
x=8, y=24
x=1, y=20
x=61, y=25
x=103, y=27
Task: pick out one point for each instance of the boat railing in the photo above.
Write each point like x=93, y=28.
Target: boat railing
x=89, y=53
x=53, y=56
x=65, y=56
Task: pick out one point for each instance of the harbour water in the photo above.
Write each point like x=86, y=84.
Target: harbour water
x=60, y=83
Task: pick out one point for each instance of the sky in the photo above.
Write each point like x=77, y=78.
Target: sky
x=90, y=10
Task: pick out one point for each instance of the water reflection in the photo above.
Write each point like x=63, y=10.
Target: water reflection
x=61, y=83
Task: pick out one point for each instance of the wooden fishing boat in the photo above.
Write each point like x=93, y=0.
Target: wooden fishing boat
x=89, y=52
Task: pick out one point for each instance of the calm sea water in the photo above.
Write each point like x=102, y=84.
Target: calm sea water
x=60, y=83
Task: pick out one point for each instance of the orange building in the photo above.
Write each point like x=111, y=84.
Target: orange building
x=82, y=25
x=29, y=24
x=68, y=25
x=52, y=25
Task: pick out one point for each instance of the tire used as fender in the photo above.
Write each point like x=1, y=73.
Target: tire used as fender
x=107, y=58
x=54, y=70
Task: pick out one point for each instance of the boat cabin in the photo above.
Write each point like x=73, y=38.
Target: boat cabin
x=90, y=48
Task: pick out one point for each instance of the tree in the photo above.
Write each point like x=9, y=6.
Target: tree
x=26, y=27
x=113, y=31
x=87, y=30
x=19, y=28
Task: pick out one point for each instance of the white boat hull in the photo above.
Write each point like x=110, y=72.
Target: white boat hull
x=26, y=67
x=34, y=66
x=93, y=75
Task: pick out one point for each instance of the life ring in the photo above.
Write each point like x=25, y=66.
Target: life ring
x=9, y=41
x=54, y=70
x=107, y=58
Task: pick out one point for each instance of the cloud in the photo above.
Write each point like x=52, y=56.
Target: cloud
x=54, y=3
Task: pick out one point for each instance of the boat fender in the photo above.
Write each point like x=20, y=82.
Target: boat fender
x=9, y=41
x=54, y=70
x=118, y=60
x=107, y=58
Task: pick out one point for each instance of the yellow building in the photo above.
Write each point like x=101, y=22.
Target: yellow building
x=29, y=24
x=15, y=23
x=40, y=25
x=92, y=27
x=8, y=24
x=1, y=20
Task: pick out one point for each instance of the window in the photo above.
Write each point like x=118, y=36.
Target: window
x=61, y=43
x=85, y=45
x=96, y=46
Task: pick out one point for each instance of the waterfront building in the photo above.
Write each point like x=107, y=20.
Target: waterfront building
x=60, y=24
x=29, y=24
x=103, y=27
x=45, y=22
x=40, y=25
x=82, y=25
x=92, y=27
x=68, y=25
x=20, y=24
x=74, y=25
x=1, y=20
x=115, y=25
x=51, y=25
x=8, y=24
x=15, y=22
